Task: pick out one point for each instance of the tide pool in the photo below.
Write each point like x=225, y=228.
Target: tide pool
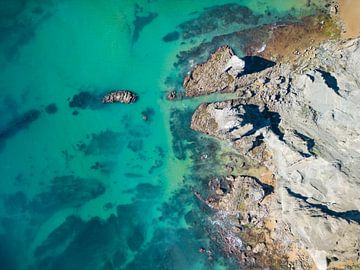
x=89, y=186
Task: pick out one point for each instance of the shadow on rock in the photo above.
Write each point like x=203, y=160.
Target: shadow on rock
x=254, y=64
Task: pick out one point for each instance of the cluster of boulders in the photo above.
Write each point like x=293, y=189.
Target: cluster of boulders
x=120, y=96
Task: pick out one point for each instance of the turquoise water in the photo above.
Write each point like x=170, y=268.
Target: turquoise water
x=87, y=186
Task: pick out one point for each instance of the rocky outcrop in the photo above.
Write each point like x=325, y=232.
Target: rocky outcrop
x=301, y=122
x=213, y=75
x=171, y=95
x=122, y=96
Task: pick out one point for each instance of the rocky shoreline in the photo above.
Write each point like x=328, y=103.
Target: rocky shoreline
x=296, y=127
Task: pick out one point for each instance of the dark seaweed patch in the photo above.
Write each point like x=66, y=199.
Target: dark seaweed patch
x=179, y=124
x=171, y=211
x=15, y=203
x=145, y=191
x=15, y=27
x=135, y=145
x=171, y=36
x=86, y=100
x=105, y=142
x=23, y=36
x=157, y=164
x=93, y=244
x=17, y=124
x=51, y=108
x=66, y=191
x=148, y=114
x=88, y=248
x=141, y=21
x=218, y=17
x=105, y=167
x=118, y=259
x=20, y=180
x=108, y=206
x=188, y=142
x=136, y=237
x=172, y=252
x=57, y=239
x=8, y=253
x=160, y=151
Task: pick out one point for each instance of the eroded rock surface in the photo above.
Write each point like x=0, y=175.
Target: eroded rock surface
x=120, y=97
x=301, y=122
x=216, y=79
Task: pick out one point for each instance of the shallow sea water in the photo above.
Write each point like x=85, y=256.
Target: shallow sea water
x=87, y=186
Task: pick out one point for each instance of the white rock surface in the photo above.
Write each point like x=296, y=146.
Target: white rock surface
x=234, y=66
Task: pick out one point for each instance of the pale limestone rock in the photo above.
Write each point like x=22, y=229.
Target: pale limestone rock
x=235, y=66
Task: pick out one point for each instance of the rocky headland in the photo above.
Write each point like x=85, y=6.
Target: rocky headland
x=291, y=197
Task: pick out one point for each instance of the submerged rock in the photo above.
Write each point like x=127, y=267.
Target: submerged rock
x=121, y=96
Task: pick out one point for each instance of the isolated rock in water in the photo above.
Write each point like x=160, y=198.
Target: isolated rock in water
x=235, y=66
x=122, y=96
x=171, y=95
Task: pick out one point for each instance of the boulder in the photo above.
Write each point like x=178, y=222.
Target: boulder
x=120, y=96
